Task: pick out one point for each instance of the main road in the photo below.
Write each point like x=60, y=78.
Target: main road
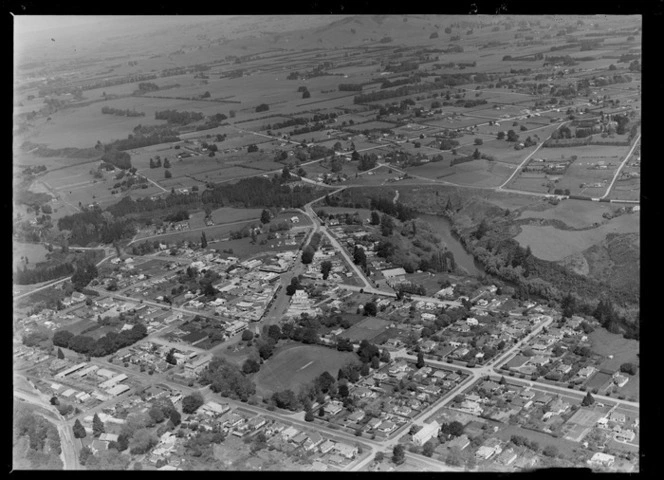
x=68, y=455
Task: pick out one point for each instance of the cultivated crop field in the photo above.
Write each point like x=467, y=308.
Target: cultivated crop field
x=297, y=365
x=549, y=243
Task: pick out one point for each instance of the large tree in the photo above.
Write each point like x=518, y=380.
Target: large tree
x=97, y=426
x=398, y=454
x=308, y=254
x=79, y=430
x=192, y=402
x=325, y=268
x=420, y=360
x=359, y=256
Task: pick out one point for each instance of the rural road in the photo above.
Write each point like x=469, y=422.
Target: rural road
x=57, y=282
x=615, y=177
x=525, y=161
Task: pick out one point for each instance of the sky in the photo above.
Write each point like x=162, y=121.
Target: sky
x=35, y=23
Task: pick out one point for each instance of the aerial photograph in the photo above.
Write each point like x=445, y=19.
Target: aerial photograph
x=342, y=243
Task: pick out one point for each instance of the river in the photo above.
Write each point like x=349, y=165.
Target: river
x=442, y=227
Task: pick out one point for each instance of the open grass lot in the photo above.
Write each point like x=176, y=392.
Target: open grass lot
x=595, y=181
x=243, y=247
x=211, y=233
x=626, y=190
x=76, y=185
x=575, y=213
x=565, y=447
x=549, y=243
x=433, y=170
x=502, y=150
x=359, y=127
x=598, y=380
x=286, y=215
x=34, y=251
x=530, y=183
x=623, y=351
x=82, y=127
x=297, y=365
x=364, y=213
x=479, y=173
x=225, y=215
x=367, y=329
x=379, y=176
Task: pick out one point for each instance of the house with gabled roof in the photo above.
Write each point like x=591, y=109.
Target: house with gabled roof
x=326, y=446
x=313, y=441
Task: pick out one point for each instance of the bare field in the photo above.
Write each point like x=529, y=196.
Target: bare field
x=549, y=243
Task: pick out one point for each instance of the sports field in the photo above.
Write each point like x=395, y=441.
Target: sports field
x=298, y=365
x=367, y=329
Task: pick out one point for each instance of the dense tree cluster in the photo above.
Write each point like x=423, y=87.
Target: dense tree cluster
x=227, y=380
x=121, y=113
x=38, y=443
x=144, y=136
x=106, y=345
x=117, y=158
x=40, y=273
x=92, y=225
x=350, y=87
x=395, y=209
x=173, y=117
x=192, y=402
x=84, y=274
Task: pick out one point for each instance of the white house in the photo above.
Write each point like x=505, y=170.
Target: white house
x=426, y=433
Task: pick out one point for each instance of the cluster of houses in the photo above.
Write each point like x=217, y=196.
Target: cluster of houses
x=560, y=366
x=381, y=414
x=338, y=273
x=503, y=401
x=279, y=436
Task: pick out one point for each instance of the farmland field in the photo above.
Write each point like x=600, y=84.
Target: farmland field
x=549, y=243
x=575, y=213
x=298, y=365
x=34, y=251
